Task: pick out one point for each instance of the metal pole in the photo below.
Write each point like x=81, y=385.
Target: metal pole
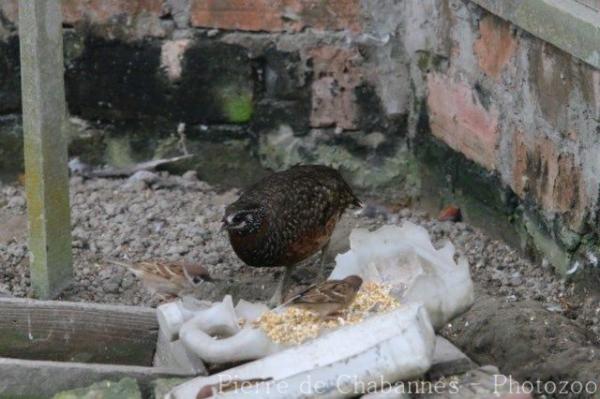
x=47, y=180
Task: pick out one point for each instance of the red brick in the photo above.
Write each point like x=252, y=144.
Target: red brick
x=495, y=46
x=102, y=12
x=337, y=72
x=551, y=177
x=457, y=118
x=276, y=15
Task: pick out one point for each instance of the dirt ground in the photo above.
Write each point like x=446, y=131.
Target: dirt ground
x=161, y=216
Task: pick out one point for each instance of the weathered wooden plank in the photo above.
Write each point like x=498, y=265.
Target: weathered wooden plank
x=42, y=379
x=81, y=332
x=47, y=182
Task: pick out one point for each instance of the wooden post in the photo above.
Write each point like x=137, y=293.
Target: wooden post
x=47, y=180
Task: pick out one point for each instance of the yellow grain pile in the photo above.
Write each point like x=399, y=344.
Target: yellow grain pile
x=294, y=325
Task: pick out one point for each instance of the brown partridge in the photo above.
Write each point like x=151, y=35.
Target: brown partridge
x=287, y=217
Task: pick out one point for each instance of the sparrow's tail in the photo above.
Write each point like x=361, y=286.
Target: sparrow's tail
x=124, y=264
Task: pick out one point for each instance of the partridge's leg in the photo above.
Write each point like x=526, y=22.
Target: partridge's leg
x=322, y=269
x=281, y=286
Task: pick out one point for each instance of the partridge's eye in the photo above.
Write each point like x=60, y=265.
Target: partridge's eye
x=196, y=280
x=238, y=218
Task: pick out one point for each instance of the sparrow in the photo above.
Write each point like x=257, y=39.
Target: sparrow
x=327, y=298
x=287, y=217
x=168, y=278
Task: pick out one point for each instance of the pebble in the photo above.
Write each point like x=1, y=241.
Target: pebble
x=16, y=202
x=144, y=176
x=190, y=175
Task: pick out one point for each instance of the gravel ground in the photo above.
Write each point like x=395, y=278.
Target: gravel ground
x=159, y=216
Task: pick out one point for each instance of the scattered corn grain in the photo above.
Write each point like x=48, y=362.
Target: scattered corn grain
x=294, y=325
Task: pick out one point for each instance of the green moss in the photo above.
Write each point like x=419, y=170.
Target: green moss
x=237, y=106
x=126, y=388
x=543, y=244
x=118, y=151
x=73, y=46
x=230, y=163
x=448, y=177
x=427, y=61
x=423, y=61
x=11, y=144
x=162, y=386
x=397, y=171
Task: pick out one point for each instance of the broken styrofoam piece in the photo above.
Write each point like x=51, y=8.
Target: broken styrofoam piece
x=404, y=258
x=385, y=347
x=172, y=315
x=173, y=355
x=448, y=360
x=219, y=319
x=234, y=344
x=250, y=311
x=247, y=344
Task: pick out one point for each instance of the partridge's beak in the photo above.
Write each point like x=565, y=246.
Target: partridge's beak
x=224, y=226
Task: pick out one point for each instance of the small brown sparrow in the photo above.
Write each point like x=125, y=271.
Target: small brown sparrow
x=168, y=278
x=327, y=298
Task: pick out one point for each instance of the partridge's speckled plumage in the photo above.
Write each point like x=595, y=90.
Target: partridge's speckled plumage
x=287, y=216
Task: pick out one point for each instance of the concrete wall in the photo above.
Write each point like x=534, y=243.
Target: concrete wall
x=430, y=100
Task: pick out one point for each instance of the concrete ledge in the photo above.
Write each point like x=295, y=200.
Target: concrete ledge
x=570, y=26
x=42, y=379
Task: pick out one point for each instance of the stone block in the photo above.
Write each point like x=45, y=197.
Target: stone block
x=448, y=360
x=200, y=82
x=458, y=117
x=115, y=80
x=542, y=170
x=496, y=45
x=552, y=79
x=276, y=16
x=337, y=72
x=216, y=85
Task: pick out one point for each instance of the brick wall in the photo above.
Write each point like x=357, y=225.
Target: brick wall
x=436, y=100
